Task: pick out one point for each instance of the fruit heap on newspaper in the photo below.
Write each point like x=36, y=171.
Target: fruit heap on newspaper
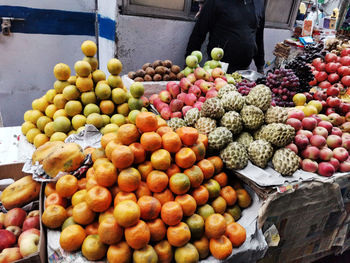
x=87, y=98
x=150, y=194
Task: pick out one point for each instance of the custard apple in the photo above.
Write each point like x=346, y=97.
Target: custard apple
x=252, y=117
x=260, y=152
x=219, y=138
x=212, y=108
x=232, y=121
x=259, y=96
x=205, y=125
x=285, y=161
x=232, y=101
x=234, y=156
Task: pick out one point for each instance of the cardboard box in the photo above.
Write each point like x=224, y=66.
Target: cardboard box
x=13, y=172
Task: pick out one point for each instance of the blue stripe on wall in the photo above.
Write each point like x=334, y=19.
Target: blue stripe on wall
x=57, y=22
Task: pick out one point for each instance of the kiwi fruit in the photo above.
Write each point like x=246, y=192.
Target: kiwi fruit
x=172, y=76
x=146, y=65
x=157, y=63
x=175, y=69
x=166, y=77
x=180, y=75
x=160, y=70
x=157, y=77
x=167, y=63
x=131, y=74
x=140, y=73
x=138, y=79
x=150, y=71
x=147, y=77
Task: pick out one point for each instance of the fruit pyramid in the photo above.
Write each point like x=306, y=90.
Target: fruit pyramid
x=87, y=98
x=151, y=193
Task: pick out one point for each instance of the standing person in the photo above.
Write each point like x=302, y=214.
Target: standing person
x=236, y=26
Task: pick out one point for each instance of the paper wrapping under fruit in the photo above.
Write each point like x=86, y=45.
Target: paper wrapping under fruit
x=90, y=136
x=251, y=250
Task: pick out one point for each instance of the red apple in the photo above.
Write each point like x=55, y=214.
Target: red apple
x=153, y=97
x=186, y=109
x=165, y=96
x=333, y=90
x=15, y=217
x=337, y=131
x=309, y=165
x=345, y=61
x=345, y=52
x=341, y=154
x=325, y=169
x=346, y=144
x=311, y=152
x=165, y=112
x=217, y=73
x=7, y=239
x=318, y=141
x=29, y=245
x=344, y=108
x=330, y=57
x=307, y=133
x=293, y=147
x=34, y=221
x=321, y=76
x=33, y=213
x=316, y=117
x=316, y=62
x=15, y=230
x=326, y=154
x=320, y=131
x=321, y=67
x=334, y=141
x=331, y=67
x=324, y=84
x=27, y=232
x=335, y=163
x=176, y=114
x=10, y=254
x=173, y=89
x=345, y=127
x=320, y=95
x=345, y=167
x=336, y=119
x=327, y=125
x=330, y=111
x=192, y=78
x=301, y=141
x=343, y=70
x=345, y=81
x=333, y=102
x=185, y=84
x=295, y=123
x=297, y=114
x=309, y=123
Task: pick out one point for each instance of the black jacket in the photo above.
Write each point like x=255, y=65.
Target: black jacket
x=237, y=26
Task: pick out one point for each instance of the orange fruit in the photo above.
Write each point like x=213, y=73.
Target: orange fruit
x=171, y=213
x=221, y=178
x=185, y=158
x=199, y=150
x=186, y=254
x=195, y=175
x=164, y=251
x=157, y=229
x=213, y=188
x=99, y=161
x=121, y=196
x=157, y=181
x=139, y=152
x=201, y=195
x=164, y=129
x=114, y=190
x=149, y=207
x=72, y=237
x=236, y=233
x=173, y=169
x=82, y=183
x=78, y=197
x=119, y=253
x=145, y=168
x=122, y=156
x=107, y=107
x=106, y=214
x=196, y=224
x=205, y=211
x=55, y=199
x=244, y=199
x=93, y=248
x=151, y=141
x=50, y=188
x=105, y=174
x=110, y=147
x=220, y=247
x=90, y=173
x=219, y=205
x=161, y=159
x=202, y=246
x=179, y=183
x=143, y=190
x=67, y=185
x=161, y=121
x=82, y=214
x=215, y=226
x=109, y=231
x=207, y=168
x=178, y=235
x=235, y=211
x=98, y=198
x=204, y=139
x=146, y=254
x=236, y=184
x=146, y=122
x=129, y=179
x=54, y=216
x=164, y=196
x=69, y=211
x=91, y=183
x=138, y=236
x=98, y=153
x=171, y=142
x=217, y=162
x=229, y=219
x=92, y=229
x=128, y=133
x=106, y=138
x=188, y=204
x=89, y=150
x=127, y=213
x=229, y=194
x=188, y=135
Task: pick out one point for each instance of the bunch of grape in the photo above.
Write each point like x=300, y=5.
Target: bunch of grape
x=261, y=80
x=302, y=71
x=284, y=85
x=245, y=86
x=313, y=51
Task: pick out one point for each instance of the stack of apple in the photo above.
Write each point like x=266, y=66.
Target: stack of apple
x=333, y=70
x=191, y=92
x=19, y=234
x=323, y=147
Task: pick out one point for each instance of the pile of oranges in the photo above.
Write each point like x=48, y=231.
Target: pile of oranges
x=151, y=196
